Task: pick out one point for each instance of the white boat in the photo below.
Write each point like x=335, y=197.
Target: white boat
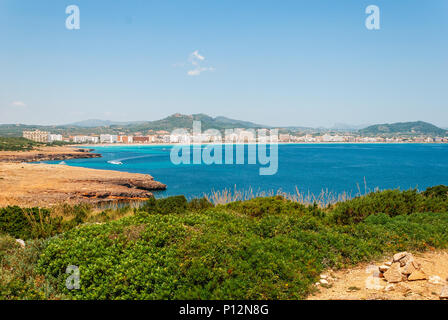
x=115, y=162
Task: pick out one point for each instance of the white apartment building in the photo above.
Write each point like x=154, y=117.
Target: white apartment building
x=36, y=135
x=54, y=137
x=108, y=138
x=85, y=139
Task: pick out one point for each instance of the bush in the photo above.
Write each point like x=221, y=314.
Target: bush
x=390, y=202
x=264, y=248
x=199, y=204
x=440, y=192
x=258, y=207
x=27, y=223
x=18, y=277
x=224, y=254
x=175, y=205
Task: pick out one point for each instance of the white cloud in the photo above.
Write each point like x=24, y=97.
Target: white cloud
x=197, y=71
x=18, y=104
x=196, y=55
x=196, y=60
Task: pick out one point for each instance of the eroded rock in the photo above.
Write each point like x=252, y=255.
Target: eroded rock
x=393, y=275
x=417, y=275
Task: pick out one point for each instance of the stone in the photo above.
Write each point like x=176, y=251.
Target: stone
x=417, y=275
x=21, y=242
x=416, y=264
x=399, y=256
x=393, y=275
x=389, y=287
x=388, y=263
x=408, y=258
x=383, y=268
x=408, y=268
x=323, y=281
x=403, y=258
x=402, y=288
x=435, y=280
x=444, y=293
x=323, y=276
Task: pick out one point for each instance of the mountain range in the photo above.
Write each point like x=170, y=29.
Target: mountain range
x=404, y=128
x=97, y=126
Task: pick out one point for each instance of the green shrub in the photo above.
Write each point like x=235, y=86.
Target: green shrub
x=7, y=243
x=27, y=223
x=199, y=204
x=389, y=202
x=175, y=205
x=18, y=277
x=258, y=207
x=264, y=248
x=440, y=192
x=224, y=254
x=17, y=144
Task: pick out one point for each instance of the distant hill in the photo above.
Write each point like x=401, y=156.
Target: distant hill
x=91, y=123
x=186, y=121
x=348, y=127
x=404, y=128
x=175, y=121
x=96, y=126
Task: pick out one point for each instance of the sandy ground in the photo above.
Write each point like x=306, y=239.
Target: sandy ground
x=29, y=184
x=353, y=284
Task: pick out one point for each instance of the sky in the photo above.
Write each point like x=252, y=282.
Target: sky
x=278, y=62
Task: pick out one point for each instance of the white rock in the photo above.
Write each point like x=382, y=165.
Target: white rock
x=372, y=283
x=383, y=268
x=323, y=276
x=21, y=242
x=323, y=281
x=388, y=263
x=435, y=280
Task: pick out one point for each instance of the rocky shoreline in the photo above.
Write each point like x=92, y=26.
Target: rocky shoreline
x=39, y=184
x=48, y=154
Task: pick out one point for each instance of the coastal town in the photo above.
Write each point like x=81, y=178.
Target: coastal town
x=239, y=135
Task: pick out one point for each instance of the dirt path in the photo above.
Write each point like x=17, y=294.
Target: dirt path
x=363, y=282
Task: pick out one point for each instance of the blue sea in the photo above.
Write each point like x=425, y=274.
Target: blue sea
x=338, y=168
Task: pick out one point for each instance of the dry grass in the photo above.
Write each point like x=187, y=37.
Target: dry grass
x=324, y=199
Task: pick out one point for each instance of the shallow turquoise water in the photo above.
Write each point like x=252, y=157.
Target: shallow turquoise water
x=309, y=167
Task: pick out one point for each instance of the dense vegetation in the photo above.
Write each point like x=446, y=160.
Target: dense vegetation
x=404, y=128
x=22, y=144
x=264, y=248
x=16, y=144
